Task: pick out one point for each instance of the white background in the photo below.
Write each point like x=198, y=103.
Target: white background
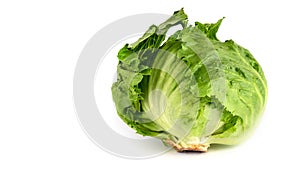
x=41, y=41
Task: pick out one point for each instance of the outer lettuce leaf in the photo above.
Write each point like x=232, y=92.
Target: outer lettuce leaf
x=246, y=92
x=134, y=66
